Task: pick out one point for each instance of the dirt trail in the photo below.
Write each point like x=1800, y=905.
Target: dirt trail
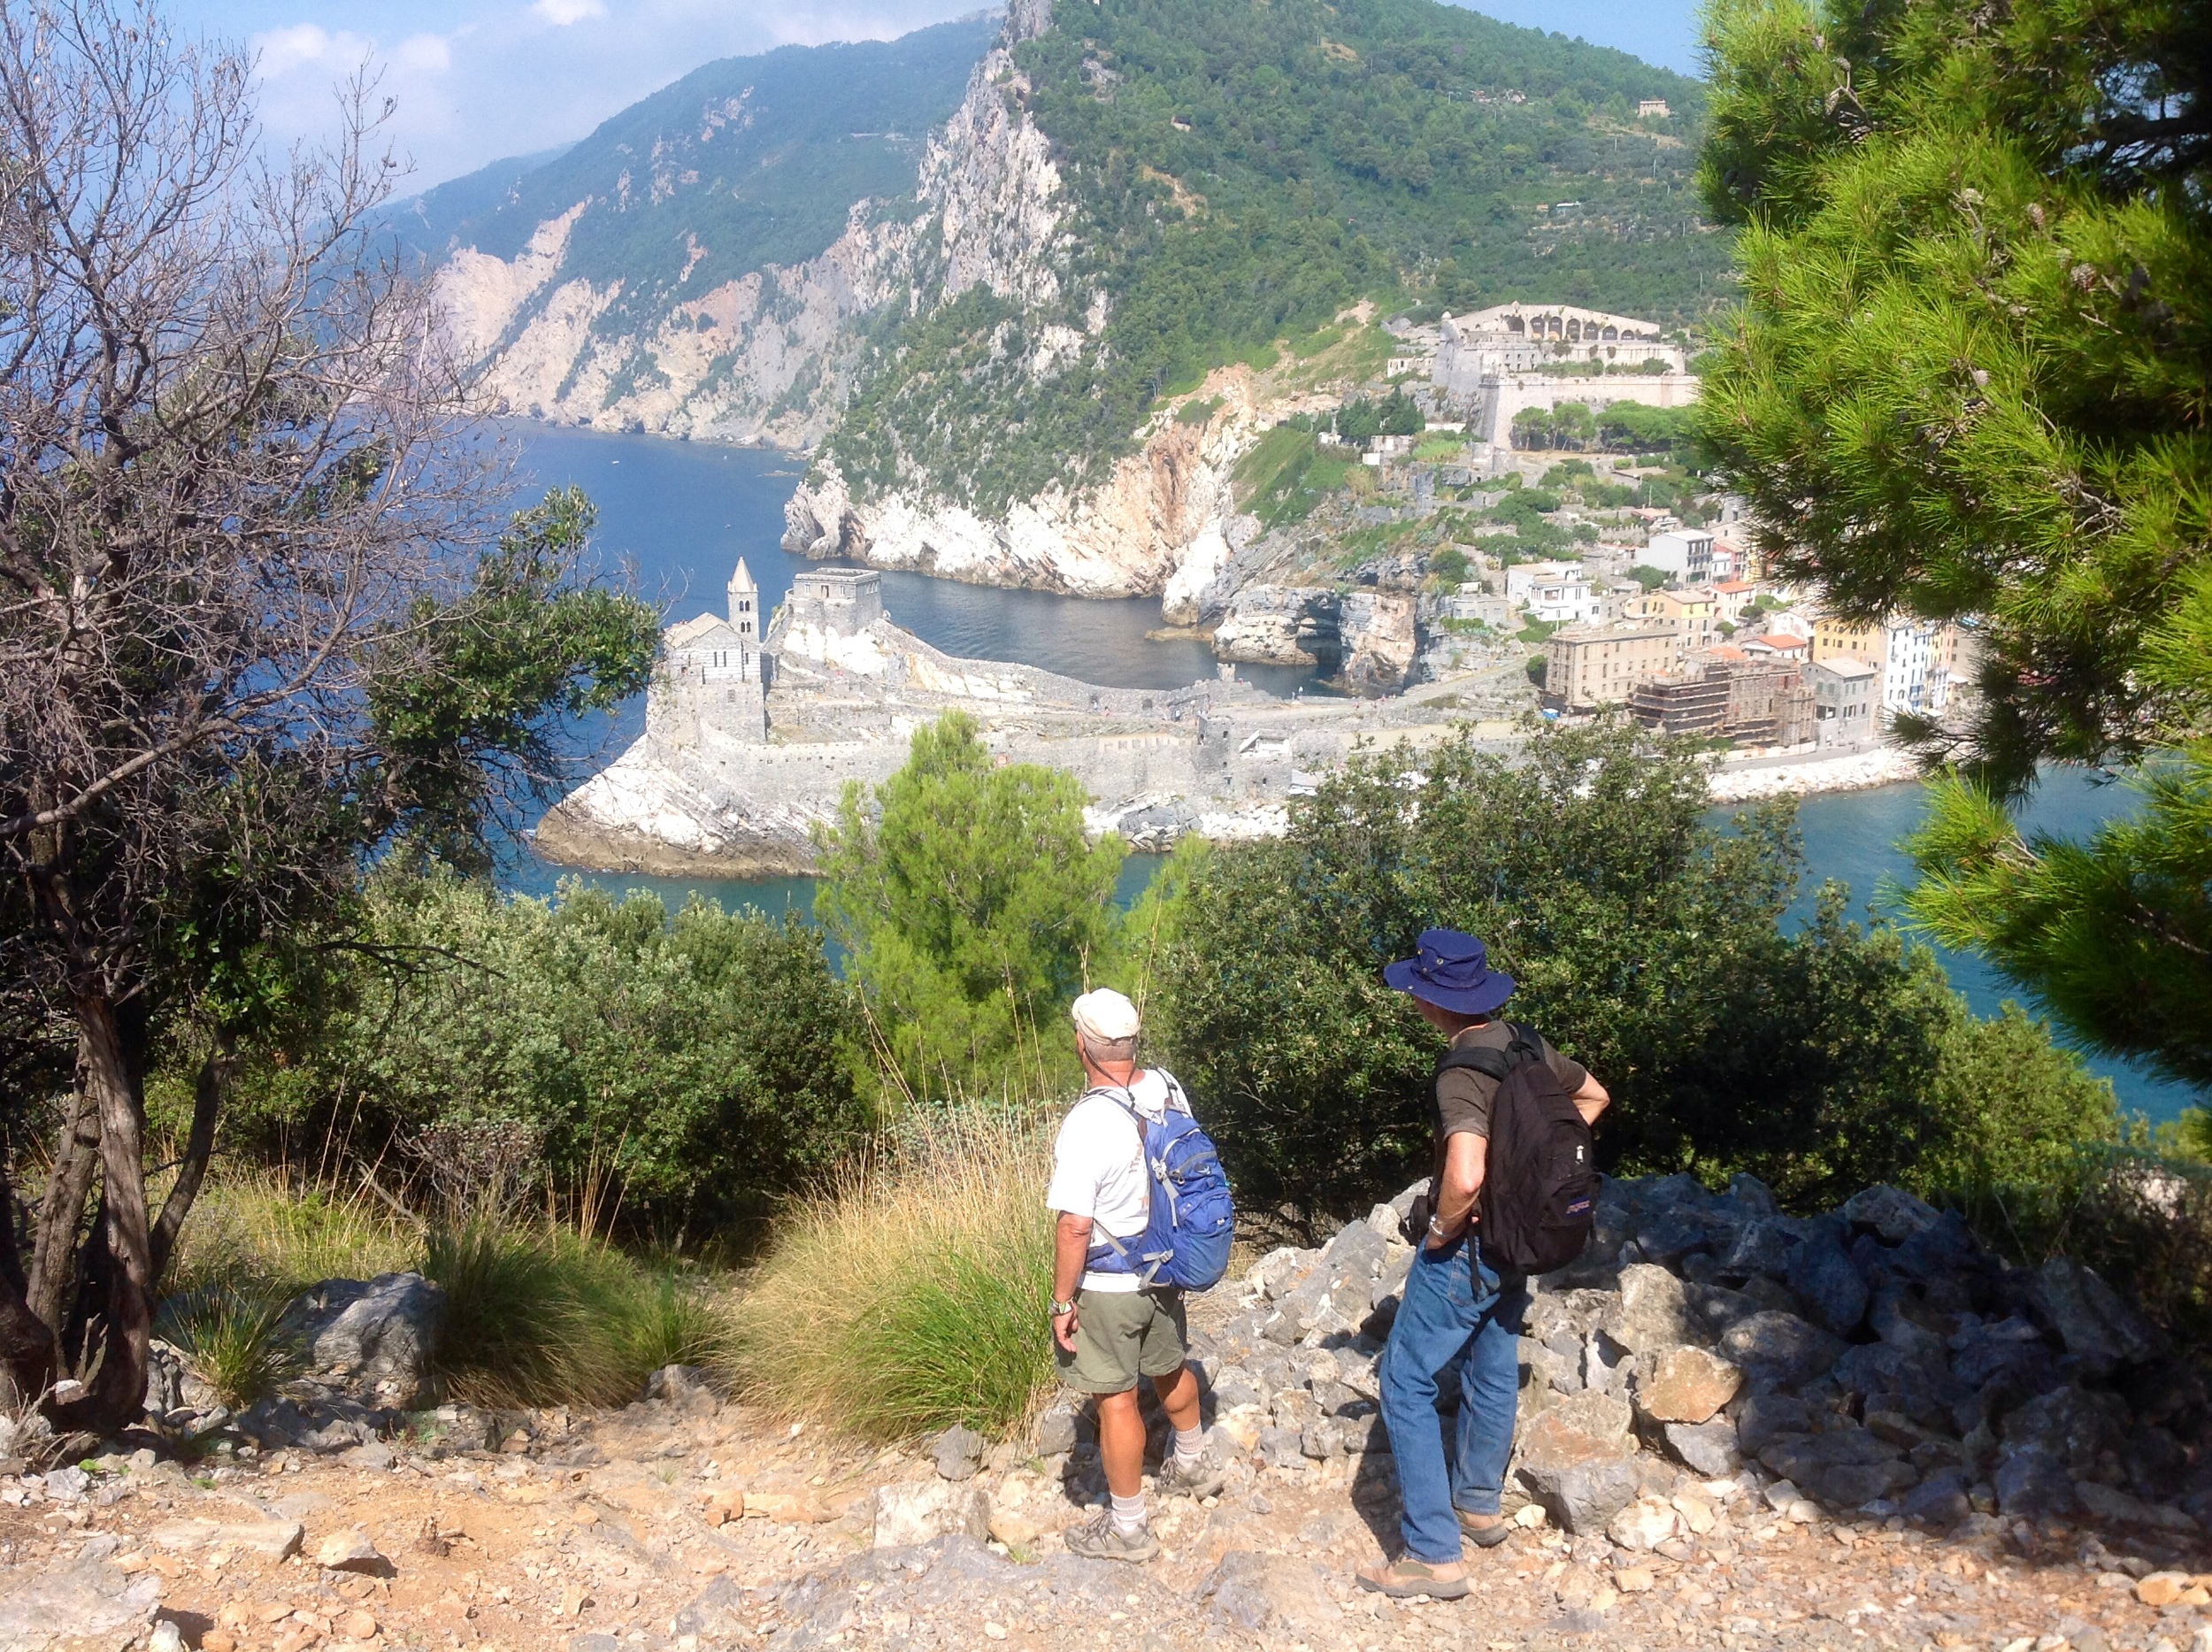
x=605, y=1532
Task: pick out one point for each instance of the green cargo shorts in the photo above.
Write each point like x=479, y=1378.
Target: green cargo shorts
x=1120, y=1335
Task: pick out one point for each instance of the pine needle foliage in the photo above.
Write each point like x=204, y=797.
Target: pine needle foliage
x=2113, y=935
x=974, y=908
x=1970, y=381
x=1970, y=376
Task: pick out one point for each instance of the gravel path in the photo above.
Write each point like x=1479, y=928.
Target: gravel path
x=696, y=1524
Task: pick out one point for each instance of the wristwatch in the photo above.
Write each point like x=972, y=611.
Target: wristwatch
x=1436, y=1228
x=1067, y=1307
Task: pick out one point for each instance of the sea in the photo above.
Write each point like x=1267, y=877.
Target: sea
x=675, y=516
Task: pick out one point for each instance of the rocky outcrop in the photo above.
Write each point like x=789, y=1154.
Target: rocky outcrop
x=372, y=1339
x=1281, y=625
x=1169, y=506
x=1874, y=1359
x=91, y=1602
x=1382, y=640
x=1368, y=638
x=363, y=1353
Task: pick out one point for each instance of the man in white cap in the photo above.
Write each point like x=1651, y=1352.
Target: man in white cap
x=1108, y=1330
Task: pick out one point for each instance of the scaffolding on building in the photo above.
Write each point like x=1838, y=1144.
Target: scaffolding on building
x=1751, y=704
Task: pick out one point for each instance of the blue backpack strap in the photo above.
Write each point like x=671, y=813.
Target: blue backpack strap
x=1107, y=1254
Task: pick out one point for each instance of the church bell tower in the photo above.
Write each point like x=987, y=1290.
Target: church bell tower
x=745, y=605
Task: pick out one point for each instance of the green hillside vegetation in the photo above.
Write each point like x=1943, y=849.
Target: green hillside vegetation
x=746, y=162
x=1241, y=172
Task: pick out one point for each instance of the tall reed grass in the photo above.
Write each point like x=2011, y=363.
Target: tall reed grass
x=912, y=1294
x=234, y=1338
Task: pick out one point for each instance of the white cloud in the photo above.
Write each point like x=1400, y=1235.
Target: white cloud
x=282, y=51
x=429, y=54
x=561, y=13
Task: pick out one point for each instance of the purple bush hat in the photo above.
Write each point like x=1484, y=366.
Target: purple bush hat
x=1451, y=971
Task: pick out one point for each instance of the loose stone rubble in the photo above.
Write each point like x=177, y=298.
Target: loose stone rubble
x=1739, y=1430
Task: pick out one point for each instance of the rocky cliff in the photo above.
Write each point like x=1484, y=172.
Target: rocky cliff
x=759, y=360
x=1159, y=523
x=703, y=264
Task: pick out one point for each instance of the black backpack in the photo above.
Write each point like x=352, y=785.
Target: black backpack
x=1539, y=1192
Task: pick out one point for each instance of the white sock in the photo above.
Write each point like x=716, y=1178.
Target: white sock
x=1129, y=1514
x=1190, y=1445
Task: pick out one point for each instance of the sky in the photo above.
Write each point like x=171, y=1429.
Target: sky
x=476, y=81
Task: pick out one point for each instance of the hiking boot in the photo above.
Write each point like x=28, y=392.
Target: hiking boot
x=1486, y=1531
x=1103, y=1540
x=1200, y=1479
x=1409, y=1577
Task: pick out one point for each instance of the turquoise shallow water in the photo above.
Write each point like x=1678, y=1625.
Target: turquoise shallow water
x=677, y=516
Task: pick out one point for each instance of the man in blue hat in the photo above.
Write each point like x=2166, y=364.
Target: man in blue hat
x=1458, y=1308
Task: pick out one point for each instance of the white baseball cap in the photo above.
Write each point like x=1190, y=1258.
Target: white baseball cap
x=1105, y=1015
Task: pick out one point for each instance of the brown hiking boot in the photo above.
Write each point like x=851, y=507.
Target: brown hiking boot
x=1407, y=1577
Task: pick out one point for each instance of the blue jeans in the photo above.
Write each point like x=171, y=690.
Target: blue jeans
x=1455, y=1313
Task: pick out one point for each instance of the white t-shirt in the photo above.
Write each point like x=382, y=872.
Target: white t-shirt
x=1098, y=1164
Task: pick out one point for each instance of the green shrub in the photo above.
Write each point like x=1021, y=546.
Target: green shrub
x=1645, y=941
x=974, y=908
x=913, y=1296
x=703, y=1064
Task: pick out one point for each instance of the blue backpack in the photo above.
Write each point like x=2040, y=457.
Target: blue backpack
x=1186, y=1239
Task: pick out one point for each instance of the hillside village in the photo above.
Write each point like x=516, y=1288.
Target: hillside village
x=1501, y=530
x=1440, y=571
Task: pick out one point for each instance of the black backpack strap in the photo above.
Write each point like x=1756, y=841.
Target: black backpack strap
x=1492, y=1063
x=1495, y=1063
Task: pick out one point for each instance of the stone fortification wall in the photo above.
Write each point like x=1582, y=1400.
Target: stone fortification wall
x=701, y=793
x=1494, y=400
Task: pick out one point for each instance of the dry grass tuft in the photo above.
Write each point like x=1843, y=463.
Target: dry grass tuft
x=913, y=1295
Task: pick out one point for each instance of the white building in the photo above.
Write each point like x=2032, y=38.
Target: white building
x=1685, y=554
x=1914, y=657
x=1913, y=677
x=1472, y=603
x=1843, y=701
x=1515, y=338
x=1557, y=592
x=1499, y=362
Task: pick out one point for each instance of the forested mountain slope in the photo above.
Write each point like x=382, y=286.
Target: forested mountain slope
x=991, y=335
x=1233, y=171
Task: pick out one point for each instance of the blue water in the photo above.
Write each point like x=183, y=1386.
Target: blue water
x=1852, y=836
x=674, y=516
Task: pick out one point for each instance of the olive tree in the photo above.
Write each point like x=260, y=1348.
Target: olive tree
x=260, y=614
